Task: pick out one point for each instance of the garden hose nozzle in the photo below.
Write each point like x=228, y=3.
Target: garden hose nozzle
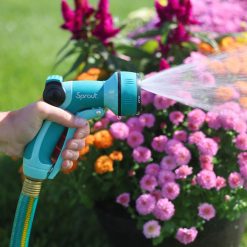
x=86, y=99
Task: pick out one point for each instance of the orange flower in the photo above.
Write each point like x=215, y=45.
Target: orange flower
x=205, y=48
x=232, y=65
x=92, y=75
x=116, y=155
x=72, y=168
x=243, y=102
x=241, y=86
x=224, y=93
x=103, y=165
x=227, y=43
x=84, y=150
x=89, y=140
x=103, y=139
x=217, y=67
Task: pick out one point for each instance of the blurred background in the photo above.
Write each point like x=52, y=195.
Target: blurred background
x=30, y=39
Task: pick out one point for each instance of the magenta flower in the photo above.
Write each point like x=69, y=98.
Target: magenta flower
x=105, y=28
x=208, y=146
x=170, y=190
x=165, y=177
x=235, y=180
x=196, y=137
x=172, y=146
x=111, y=116
x=147, y=120
x=76, y=20
x=196, y=119
x=206, y=179
x=148, y=183
x=163, y=64
x=164, y=209
x=242, y=159
x=220, y=183
x=243, y=171
x=123, y=199
x=183, y=172
x=152, y=169
x=151, y=229
x=157, y=194
x=186, y=235
x=206, y=162
x=101, y=124
x=161, y=102
x=180, y=135
x=119, y=130
x=145, y=204
x=182, y=156
x=213, y=120
x=176, y=117
x=178, y=35
x=159, y=142
x=168, y=163
x=206, y=211
x=135, y=139
x=134, y=123
x=141, y=154
x=147, y=97
x=241, y=142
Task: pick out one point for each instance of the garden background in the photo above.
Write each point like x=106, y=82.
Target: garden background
x=30, y=39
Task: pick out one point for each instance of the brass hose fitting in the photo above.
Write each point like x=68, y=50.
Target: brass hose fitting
x=31, y=187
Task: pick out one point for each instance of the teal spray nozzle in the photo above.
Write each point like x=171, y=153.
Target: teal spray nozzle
x=86, y=99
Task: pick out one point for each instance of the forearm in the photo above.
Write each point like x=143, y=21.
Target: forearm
x=5, y=126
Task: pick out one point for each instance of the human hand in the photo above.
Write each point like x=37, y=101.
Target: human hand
x=17, y=128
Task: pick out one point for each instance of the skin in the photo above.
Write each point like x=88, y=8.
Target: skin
x=17, y=128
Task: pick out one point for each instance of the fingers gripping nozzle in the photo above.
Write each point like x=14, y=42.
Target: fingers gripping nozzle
x=54, y=93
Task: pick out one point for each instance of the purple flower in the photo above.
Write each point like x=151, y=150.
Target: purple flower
x=183, y=171
x=166, y=176
x=135, y=139
x=163, y=64
x=235, y=180
x=170, y=190
x=151, y=229
x=164, y=209
x=159, y=142
x=220, y=183
x=168, y=163
x=176, y=117
x=196, y=119
x=147, y=97
x=242, y=159
x=134, y=123
x=182, y=156
x=145, y=204
x=147, y=120
x=123, y=199
x=172, y=146
x=119, y=130
x=208, y=146
x=186, y=235
x=152, y=169
x=241, y=141
x=141, y=154
x=105, y=28
x=148, y=182
x=180, y=135
x=161, y=102
x=178, y=35
x=206, y=179
x=196, y=137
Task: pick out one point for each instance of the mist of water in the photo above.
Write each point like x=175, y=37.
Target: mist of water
x=209, y=84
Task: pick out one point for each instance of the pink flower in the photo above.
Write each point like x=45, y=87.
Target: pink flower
x=152, y=169
x=147, y=120
x=123, y=199
x=111, y=116
x=243, y=171
x=196, y=119
x=105, y=28
x=176, y=117
x=242, y=159
x=163, y=64
x=235, y=180
x=141, y=154
x=159, y=142
x=135, y=139
x=164, y=209
x=148, y=182
x=180, y=135
x=134, y=123
x=208, y=146
x=151, y=229
x=196, y=137
x=161, y=102
x=206, y=162
x=172, y=146
x=170, y=190
x=182, y=156
x=241, y=141
x=186, y=235
x=157, y=194
x=183, y=172
x=119, y=130
x=145, y=204
x=147, y=97
x=220, y=183
x=165, y=177
x=206, y=179
x=168, y=163
x=213, y=120
x=207, y=78
x=206, y=211
x=101, y=124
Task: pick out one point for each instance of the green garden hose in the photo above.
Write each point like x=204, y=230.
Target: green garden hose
x=25, y=213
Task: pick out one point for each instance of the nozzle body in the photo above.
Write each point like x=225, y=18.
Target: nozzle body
x=86, y=99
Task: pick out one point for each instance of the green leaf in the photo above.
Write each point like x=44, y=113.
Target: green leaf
x=63, y=47
x=150, y=46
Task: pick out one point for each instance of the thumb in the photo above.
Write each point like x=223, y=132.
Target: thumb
x=60, y=116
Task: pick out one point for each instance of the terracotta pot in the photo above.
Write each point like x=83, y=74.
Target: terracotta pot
x=122, y=232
